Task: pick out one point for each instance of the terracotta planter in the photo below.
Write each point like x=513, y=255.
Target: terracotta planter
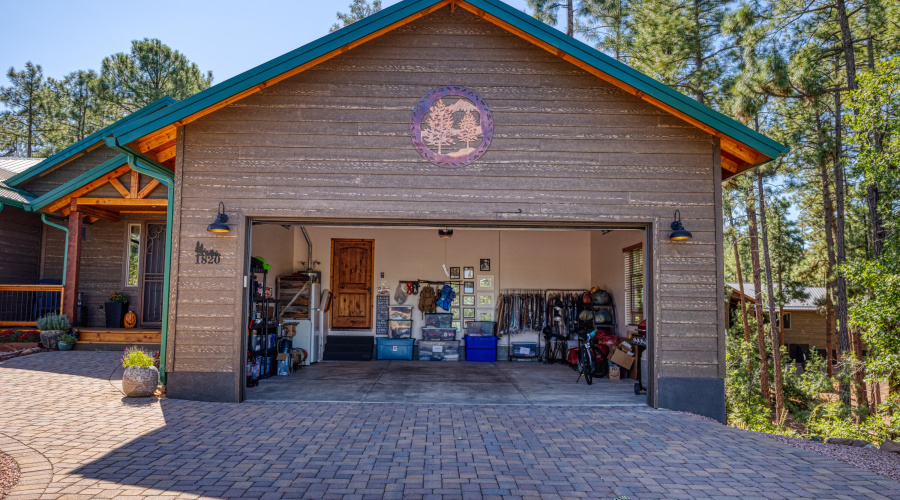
x=49, y=338
x=140, y=382
x=115, y=313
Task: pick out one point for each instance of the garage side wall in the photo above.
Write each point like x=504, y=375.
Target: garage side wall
x=333, y=142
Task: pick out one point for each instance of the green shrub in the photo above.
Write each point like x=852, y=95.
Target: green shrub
x=135, y=356
x=53, y=321
x=118, y=297
x=67, y=338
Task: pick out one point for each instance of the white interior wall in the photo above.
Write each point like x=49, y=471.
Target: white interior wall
x=519, y=258
x=608, y=267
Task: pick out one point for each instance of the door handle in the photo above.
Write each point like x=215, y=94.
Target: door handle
x=368, y=289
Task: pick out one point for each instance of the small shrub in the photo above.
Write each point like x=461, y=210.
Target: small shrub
x=118, y=297
x=135, y=356
x=53, y=321
x=67, y=338
x=7, y=336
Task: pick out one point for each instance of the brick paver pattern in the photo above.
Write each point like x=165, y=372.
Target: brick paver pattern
x=65, y=409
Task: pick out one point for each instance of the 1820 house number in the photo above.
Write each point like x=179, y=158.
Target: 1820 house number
x=205, y=256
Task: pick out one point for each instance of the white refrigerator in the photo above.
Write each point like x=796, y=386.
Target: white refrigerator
x=309, y=331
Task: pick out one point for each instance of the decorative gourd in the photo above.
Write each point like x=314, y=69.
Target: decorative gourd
x=130, y=319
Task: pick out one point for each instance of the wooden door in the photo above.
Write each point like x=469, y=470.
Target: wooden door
x=352, y=274
x=152, y=274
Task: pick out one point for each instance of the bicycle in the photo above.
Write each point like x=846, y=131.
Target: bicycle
x=588, y=366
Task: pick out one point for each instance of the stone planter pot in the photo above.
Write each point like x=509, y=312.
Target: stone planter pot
x=115, y=313
x=63, y=346
x=139, y=382
x=48, y=338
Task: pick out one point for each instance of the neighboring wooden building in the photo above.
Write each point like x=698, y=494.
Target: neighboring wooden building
x=20, y=232
x=321, y=135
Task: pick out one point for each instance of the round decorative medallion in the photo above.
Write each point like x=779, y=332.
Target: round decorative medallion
x=451, y=126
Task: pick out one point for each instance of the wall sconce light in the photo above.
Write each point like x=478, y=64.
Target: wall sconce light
x=445, y=233
x=218, y=225
x=679, y=233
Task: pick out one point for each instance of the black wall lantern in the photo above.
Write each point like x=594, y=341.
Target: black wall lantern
x=218, y=225
x=445, y=233
x=679, y=233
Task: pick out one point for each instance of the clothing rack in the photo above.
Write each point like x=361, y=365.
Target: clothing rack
x=429, y=282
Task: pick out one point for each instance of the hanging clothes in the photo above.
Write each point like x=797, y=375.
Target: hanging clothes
x=520, y=312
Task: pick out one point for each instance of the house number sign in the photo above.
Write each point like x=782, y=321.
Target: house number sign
x=451, y=126
x=205, y=256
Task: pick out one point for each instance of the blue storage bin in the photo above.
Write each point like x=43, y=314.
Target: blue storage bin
x=524, y=349
x=395, y=348
x=481, y=348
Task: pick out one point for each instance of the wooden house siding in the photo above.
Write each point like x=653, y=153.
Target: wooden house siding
x=333, y=142
x=20, y=242
x=68, y=171
x=807, y=327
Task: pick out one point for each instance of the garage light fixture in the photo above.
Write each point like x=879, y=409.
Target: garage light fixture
x=679, y=233
x=218, y=225
x=445, y=233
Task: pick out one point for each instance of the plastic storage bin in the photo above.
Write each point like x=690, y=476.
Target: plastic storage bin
x=395, y=348
x=480, y=328
x=400, y=329
x=480, y=348
x=438, y=320
x=438, y=350
x=438, y=333
x=524, y=349
x=400, y=312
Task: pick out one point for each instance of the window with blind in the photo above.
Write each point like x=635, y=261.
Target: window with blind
x=634, y=283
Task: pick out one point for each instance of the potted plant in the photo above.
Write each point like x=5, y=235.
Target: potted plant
x=140, y=377
x=115, y=309
x=66, y=342
x=52, y=325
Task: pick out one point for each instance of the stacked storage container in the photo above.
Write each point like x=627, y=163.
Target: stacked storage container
x=481, y=343
x=438, y=339
x=400, y=343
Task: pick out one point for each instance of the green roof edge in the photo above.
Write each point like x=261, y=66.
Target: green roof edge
x=310, y=51
x=78, y=182
x=88, y=141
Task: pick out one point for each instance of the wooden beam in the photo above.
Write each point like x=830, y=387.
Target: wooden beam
x=135, y=183
x=99, y=213
x=166, y=154
x=63, y=202
x=165, y=135
x=120, y=202
x=120, y=188
x=73, y=264
x=148, y=189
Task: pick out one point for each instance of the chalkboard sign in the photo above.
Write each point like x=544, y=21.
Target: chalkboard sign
x=382, y=302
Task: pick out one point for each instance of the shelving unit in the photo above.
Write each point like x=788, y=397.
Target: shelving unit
x=613, y=325
x=265, y=326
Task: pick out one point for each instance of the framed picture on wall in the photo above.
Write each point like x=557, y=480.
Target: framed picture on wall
x=469, y=286
x=468, y=300
x=485, y=265
x=485, y=315
x=455, y=302
x=485, y=300
x=468, y=313
x=454, y=311
x=454, y=273
x=485, y=282
x=456, y=325
x=468, y=273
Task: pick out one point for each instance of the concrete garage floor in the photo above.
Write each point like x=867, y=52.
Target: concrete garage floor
x=432, y=382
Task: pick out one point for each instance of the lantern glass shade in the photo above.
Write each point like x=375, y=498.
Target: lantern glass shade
x=219, y=225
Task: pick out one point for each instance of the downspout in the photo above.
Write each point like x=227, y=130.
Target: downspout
x=146, y=166
x=65, y=247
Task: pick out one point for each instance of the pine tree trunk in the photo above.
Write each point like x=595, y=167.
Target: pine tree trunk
x=757, y=285
x=570, y=18
x=828, y=209
x=740, y=276
x=840, y=243
x=776, y=345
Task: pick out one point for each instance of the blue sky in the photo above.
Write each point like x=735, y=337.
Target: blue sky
x=224, y=36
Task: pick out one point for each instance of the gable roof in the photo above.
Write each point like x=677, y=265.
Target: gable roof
x=814, y=296
x=87, y=143
x=745, y=147
x=8, y=168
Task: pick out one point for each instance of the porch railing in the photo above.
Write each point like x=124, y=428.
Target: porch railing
x=22, y=305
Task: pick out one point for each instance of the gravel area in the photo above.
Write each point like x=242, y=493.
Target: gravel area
x=883, y=463
x=9, y=474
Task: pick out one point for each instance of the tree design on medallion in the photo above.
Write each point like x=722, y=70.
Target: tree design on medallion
x=451, y=126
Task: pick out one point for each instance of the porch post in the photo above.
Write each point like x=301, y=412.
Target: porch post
x=73, y=262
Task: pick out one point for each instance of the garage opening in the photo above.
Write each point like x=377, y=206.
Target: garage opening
x=446, y=314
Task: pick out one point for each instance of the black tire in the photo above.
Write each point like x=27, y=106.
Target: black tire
x=584, y=359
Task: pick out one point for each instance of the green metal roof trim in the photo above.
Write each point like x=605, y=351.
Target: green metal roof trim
x=89, y=141
x=78, y=182
x=397, y=12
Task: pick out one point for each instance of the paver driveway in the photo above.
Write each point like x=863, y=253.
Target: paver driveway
x=75, y=436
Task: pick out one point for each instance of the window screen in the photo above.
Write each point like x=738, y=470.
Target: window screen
x=634, y=283
x=134, y=253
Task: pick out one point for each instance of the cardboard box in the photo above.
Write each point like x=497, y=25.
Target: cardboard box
x=621, y=357
x=290, y=329
x=614, y=373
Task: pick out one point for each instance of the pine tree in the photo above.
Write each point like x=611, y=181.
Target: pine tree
x=358, y=10
x=149, y=72
x=76, y=109
x=440, y=123
x=23, y=122
x=469, y=130
x=547, y=11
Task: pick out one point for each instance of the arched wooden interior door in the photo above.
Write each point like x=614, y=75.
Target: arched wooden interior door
x=352, y=274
